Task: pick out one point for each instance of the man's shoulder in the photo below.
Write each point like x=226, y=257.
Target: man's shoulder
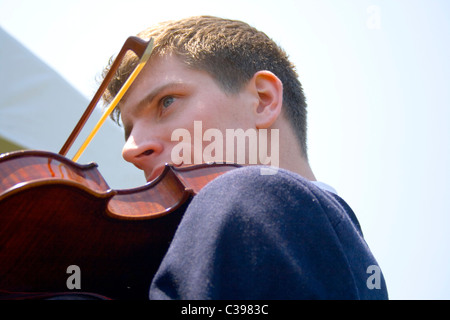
x=265, y=191
x=250, y=181
x=245, y=226
x=259, y=178
x=272, y=190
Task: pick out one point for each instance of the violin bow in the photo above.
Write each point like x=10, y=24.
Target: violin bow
x=143, y=50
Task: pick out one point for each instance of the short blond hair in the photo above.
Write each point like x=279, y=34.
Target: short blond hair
x=231, y=52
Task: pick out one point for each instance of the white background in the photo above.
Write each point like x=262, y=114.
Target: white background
x=376, y=75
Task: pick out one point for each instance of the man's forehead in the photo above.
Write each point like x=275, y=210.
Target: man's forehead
x=158, y=69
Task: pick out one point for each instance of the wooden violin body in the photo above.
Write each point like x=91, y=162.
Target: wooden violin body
x=55, y=213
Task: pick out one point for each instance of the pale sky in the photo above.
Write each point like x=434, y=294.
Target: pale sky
x=376, y=75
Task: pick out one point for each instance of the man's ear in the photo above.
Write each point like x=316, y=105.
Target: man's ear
x=269, y=90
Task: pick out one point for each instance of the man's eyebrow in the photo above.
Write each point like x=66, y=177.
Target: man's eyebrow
x=147, y=99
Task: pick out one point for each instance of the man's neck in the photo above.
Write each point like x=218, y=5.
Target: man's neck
x=299, y=165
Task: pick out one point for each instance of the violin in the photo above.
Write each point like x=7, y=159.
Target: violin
x=56, y=213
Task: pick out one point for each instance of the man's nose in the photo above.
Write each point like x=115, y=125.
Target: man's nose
x=139, y=152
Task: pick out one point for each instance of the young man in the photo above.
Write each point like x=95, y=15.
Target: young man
x=251, y=233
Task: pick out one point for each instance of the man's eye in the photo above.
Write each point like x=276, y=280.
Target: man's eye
x=167, y=101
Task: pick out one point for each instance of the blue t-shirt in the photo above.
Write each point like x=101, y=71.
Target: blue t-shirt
x=252, y=236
